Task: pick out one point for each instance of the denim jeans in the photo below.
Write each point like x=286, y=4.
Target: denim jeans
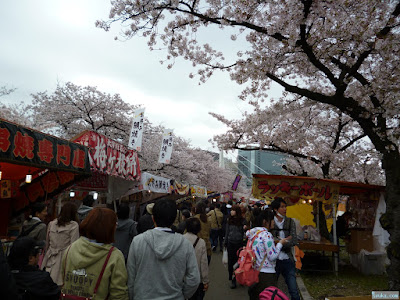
x=286, y=267
x=215, y=236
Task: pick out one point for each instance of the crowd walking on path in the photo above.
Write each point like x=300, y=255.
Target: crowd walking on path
x=95, y=252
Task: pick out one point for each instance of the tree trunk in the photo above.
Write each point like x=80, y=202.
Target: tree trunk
x=391, y=219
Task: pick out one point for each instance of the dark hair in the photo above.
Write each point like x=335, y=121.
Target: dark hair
x=193, y=225
x=186, y=213
x=21, y=250
x=88, y=200
x=256, y=212
x=277, y=203
x=237, y=219
x=201, y=210
x=164, y=212
x=224, y=210
x=68, y=213
x=99, y=225
x=37, y=207
x=123, y=211
x=267, y=215
x=218, y=205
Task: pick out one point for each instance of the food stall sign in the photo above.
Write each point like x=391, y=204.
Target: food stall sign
x=110, y=157
x=295, y=189
x=21, y=145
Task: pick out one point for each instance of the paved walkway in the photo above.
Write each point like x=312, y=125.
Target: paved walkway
x=219, y=283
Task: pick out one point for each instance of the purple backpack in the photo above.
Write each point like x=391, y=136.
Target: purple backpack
x=273, y=293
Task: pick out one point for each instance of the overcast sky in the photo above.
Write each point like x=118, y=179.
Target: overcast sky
x=48, y=41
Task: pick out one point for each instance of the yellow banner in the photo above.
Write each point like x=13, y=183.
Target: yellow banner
x=295, y=189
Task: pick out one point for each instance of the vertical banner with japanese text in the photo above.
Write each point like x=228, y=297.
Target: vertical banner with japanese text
x=135, y=138
x=166, y=147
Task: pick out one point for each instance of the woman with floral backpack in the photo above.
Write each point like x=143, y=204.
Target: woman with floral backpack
x=266, y=252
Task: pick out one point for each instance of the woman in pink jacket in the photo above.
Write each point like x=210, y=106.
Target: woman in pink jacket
x=266, y=252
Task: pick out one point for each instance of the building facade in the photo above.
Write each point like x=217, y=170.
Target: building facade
x=260, y=162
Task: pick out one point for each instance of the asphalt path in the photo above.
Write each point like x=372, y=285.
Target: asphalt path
x=219, y=283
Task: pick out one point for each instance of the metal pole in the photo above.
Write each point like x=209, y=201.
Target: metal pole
x=318, y=216
x=335, y=239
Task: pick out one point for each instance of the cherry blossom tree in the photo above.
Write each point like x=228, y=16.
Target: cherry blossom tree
x=71, y=109
x=188, y=165
x=319, y=142
x=17, y=113
x=6, y=91
x=341, y=53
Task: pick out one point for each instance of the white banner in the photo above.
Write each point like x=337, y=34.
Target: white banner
x=135, y=138
x=155, y=184
x=166, y=147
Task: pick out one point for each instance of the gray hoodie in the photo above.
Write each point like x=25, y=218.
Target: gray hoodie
x=162, y=265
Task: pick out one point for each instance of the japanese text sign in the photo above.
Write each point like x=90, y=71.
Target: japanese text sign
x=29, y=147
x=166, y=147
x=155, y=184
x=110, y=157
x=269, y=187
x=135, y=138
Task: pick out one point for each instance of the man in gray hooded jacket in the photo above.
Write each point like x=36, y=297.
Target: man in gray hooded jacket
x=162, y=264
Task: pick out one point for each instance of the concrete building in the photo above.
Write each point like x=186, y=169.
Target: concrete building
x=260, y=162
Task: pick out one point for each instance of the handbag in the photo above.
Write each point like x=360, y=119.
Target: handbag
x=74, y=297
x=225, y=257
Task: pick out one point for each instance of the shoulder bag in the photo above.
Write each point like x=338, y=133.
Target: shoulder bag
x=74, y=297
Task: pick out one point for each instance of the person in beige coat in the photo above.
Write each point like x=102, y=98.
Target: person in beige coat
x=61, y=233
x=200, y=213
x=193, y=227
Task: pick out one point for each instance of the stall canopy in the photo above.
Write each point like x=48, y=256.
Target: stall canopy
x=54, y=163
x=297, y=190
x=294, y=188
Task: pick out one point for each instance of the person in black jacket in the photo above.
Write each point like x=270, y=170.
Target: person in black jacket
x=31, y=282
x=9, y=289
x=146, y=221
x=234, y=235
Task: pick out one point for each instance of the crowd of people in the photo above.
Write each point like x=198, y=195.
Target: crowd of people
x=90, y=251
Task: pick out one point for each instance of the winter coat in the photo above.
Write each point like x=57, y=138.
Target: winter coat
x=35, y=284
x=162, y=265
x=7, y=282
x=201, y=256
x=205, y=234
x=38, y=233
x=83, y=211
x=82, y=265
x=289, y=229
x=234, y=233
x=58, y=239
x=264, y=245
x=215, y=217
x=126, y=230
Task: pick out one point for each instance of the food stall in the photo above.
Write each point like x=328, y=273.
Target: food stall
x=303, y=194
x=35, y=166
